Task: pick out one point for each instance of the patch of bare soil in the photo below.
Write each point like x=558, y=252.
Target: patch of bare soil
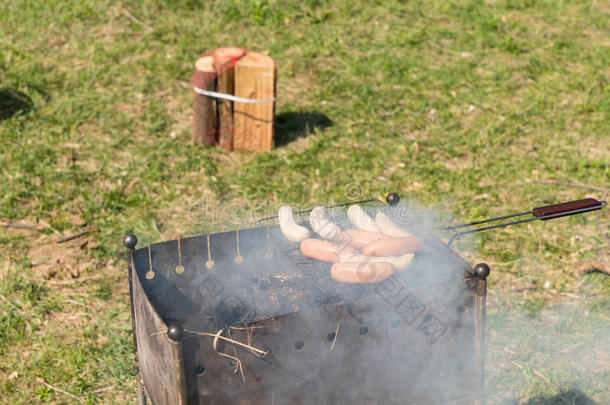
x=50, y=259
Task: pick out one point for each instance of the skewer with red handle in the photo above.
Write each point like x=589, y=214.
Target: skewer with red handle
x=543, y=213
x=568, y=208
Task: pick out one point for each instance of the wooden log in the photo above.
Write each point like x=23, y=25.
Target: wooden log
x=254, y=79
x=224, y=63
x=204, y=119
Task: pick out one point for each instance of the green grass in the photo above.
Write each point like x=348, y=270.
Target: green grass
x=459, y=105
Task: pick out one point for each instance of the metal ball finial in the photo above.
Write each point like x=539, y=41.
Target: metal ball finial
x=130, y=241
x=175, y=332
x=481, y=271
x=392, y=199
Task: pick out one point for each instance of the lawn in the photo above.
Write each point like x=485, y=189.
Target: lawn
x=472, y=108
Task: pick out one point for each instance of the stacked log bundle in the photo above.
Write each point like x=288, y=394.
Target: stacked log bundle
x=234, y=125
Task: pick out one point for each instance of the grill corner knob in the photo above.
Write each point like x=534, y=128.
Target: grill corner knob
x=130, y=241
x=481, y=271
x=392, y=199
x=175, y=332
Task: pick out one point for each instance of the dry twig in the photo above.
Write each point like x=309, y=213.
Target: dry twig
x=561, y=183
x=20, y=226
x=133, y=19
x=78, y=235
x=60, y=390
x=105, y=389
x=332, y=346
x=539, y=374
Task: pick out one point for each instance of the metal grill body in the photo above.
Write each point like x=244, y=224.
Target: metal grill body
x=416, y=338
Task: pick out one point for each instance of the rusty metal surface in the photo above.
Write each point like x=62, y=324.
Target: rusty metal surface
x=420, y=319
x=481, y=271
x=160, y=364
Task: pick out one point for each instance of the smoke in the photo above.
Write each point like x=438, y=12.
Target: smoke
x=552, y=354
x=266, y=325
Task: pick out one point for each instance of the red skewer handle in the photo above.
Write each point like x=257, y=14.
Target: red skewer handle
x=567, y=207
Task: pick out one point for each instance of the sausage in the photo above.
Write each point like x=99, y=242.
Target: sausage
x=323, y=250
x=358, y=238
x=393, y=247
x=322, y=226
x=289, y=226
x=361, y=219
x=399, y=262
x=361, y=272
x=388, y=227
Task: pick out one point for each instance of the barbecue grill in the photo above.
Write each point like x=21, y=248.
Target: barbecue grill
x=241, y=317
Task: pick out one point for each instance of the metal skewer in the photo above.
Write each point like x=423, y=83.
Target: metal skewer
x=540, y=213
x=586, y=205
x=329, y=206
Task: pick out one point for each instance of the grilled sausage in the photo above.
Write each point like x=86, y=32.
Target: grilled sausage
x=361, y=272
x=322, y=226
x=289, y=226
x=388, y=227
x=393, y=247
x=358, y=238
x=361, y=219
x=399, y=262
x=323, y=250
